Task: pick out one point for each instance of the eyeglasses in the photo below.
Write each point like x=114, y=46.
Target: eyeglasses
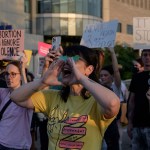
x=11, y=74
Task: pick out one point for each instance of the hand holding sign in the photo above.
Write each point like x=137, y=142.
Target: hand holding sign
x=23, y=60
x=51, y=56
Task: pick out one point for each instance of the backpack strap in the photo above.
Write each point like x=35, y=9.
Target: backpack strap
x=4, y=108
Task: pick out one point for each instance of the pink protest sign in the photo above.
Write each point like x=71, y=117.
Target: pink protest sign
x=43, y=48
x=11, y=43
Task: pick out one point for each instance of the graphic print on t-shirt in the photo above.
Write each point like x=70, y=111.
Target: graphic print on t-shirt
x=70, y=129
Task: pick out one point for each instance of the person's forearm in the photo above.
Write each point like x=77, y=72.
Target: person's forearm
x=117, y=78
x=108, y=100
x=24, y=76
x=26, y=91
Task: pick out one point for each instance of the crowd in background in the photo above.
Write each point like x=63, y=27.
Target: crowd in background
x=74, y=92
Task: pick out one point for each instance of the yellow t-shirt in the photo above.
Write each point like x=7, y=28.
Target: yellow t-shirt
x=76, y=124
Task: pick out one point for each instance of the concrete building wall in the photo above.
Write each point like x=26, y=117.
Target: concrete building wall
x=125, y=11
x=12, y=13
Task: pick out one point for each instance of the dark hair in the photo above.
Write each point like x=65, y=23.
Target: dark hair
x=145, y=50
x=139, y=60
x=109, y=69
x=91, y=57
x=15, y=63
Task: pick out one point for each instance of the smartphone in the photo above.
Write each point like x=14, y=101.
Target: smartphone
x=56, y=42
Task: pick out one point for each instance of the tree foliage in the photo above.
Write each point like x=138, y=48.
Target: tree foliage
x=125, y=55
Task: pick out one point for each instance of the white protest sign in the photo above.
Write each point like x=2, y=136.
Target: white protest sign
x=100, y=35
x=11, y=43
x=141, y=32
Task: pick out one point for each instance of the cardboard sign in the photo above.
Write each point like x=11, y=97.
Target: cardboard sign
x=11, y=43
x=43, y=48
x=29, y=55
x=100, y=35
x=141, y=32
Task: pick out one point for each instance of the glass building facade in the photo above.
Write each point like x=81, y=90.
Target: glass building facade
x=66, y=17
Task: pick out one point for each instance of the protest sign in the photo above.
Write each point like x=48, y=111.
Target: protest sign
x=29, y=55
x=100, y=35
x=11, y=43
x=43, y=48
x=141, y=32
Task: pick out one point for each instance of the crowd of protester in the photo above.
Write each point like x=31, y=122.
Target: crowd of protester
x=76, y=104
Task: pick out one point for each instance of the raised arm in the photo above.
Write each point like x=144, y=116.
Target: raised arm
x=23, y=63
x=22, y=95
x=117, y=78
x=107, y=99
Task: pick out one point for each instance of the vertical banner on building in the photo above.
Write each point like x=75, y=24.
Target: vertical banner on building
x=11, y=43
x=141, y=32
x=43, y=48
x=100, y=35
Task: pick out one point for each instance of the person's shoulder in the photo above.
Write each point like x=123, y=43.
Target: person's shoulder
x=142, y=74
x=2, y=89
x=4, y=92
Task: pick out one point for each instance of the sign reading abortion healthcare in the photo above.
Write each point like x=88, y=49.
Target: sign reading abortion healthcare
x=141, y=32
x=100, y=35
x=11, y=43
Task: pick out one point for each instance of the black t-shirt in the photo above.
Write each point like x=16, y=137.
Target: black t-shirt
x=139, y=86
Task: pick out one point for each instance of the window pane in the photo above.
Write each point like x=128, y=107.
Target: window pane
x=79, y=26
x=39, y=6
x=79, y=6
x=129, y=29
x=39, y=26
x=71, y=6
x=85, y=8
x=85, y=23
x=119, y=29
x=64, y=26
x=47, y=6
x=28, y=26
x=71, y=26
x=64, y=6
x=47, y=26
x=27, y=6
x=56, y=6
x=96, y=4
x=55, y=26
x=90, y=7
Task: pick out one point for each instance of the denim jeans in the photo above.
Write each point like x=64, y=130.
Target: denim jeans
x=141, y=139
x=7, y=148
